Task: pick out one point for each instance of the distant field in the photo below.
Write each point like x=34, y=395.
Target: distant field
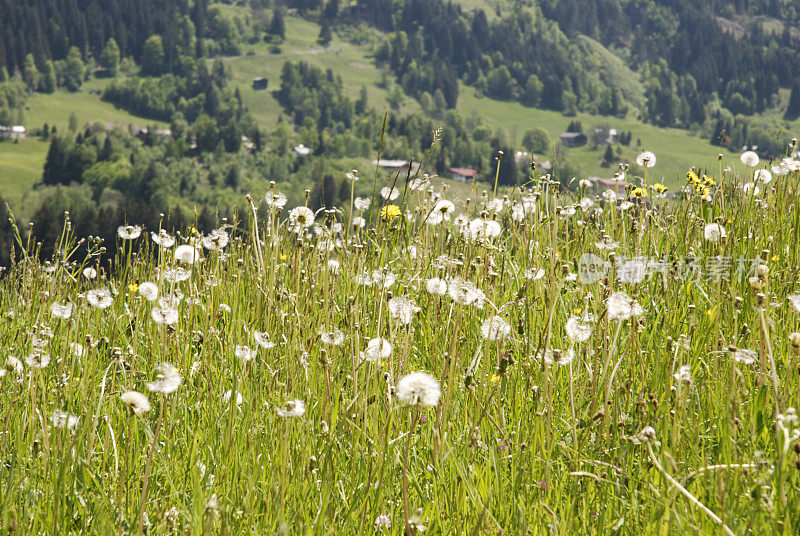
x=20, y=167
x=676, y=150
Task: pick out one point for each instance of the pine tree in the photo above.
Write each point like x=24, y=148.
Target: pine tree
x=55, y=161
x=153, y=56
x=277, y=27
x=109, y=59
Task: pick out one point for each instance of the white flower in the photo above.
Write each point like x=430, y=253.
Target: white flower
x=534, y=274
x=275, y=200
x=625, y=205
x=362, y=203
x=436, y=285
x=377, y=349
x=495, y=205
x=577, y=331
x=383, y=277
x=334, y=266
x=610, y=196
x=77, y=349
x=762, y=175
x=333, y=337
x=167, y=381
x=300, y=218
x=749, y=158
x=383, y=522
x=465, y=292
x=135, y=400
x=64, y=312
x=100, y=298
x=89, y=272
x=586, y=204
x=163, y=239
x=390, y=193
x=794, y=301
x=358, y=223
x=646, y=159
x=352, y=175
x=187, y=254
x=262, y=338
x=684, y=374
x=129, y=232
x=750, y=188
x=495, y=328
x=165, y=316
x=585, y=183
x=622, y=307
x=402, y=309
x=713, y=232
x=38, y=360
x=12, y=364
x=565, y=358
x=292, y=408
x=745, y=357
x=419, y=389
x=546, y=355
x=148, y=291
x=216, y=240
x=62, y=419
x=176, y=275
x=245, y=353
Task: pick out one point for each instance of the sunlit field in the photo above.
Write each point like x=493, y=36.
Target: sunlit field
x=527, y=361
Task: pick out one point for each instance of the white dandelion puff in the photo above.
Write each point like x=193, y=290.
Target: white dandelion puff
x=244, y=353
x=333, y=337
x=64, y=312
x=436, y=286
x=419, y=389
x=164, y=316
x=100, y=298
x=622, y=307
x=377, y=349
x=163, y=239
x=168, y=380
x=402, y=309
x=129, y=232
x=495, y=328
x=186, y=254
x=62, y=419
x=300, y=218
x=646, y=159
x=577, y=331
x=749, y=158
x=292, y=408
x=262, y=339
x=744, y=356
x=138, y=403
x=148, y=291
x=714, y=232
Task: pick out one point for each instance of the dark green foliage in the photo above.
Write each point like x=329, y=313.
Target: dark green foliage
x=793, y=110
x=277, y=27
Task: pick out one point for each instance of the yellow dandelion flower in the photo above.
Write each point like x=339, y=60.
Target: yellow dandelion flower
x=495, y=378
x=390, y=212
x=709, y=181
x=638, y=192
x=133, y=287
x=691, y=176
x=283, y=256
x=776, y=258
x=659, y=188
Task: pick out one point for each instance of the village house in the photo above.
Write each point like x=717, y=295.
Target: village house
x=13, y=132
x=463, y=174
x=573, y=139
x=260, y=83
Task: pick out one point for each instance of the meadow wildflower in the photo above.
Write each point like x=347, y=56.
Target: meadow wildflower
x=362, y=203
x=262, y=339
x=332, y=337
x=762, y=175
x=714, y=232
x=12, y=365
x=138, y=403
x=292, y=408
x=794, y=301
x=390, y=194
x=646, y=159
x=226, y=398
x=62, y=311
x=419, y=389
x=62, y=419
x=383, y=522
x=244, y=353
x=495, y=328
x=749, y=158
x=621, y=307
x=167, y=381
x=163, y=239
x=275, y=200
x=216, y=240
x=187, y=254
x=377, y=349
x=129, y=232
x=744, y=356
x=383, y=277
x=89, y=273
x=100, y=298
x=576, y=330
x=436, y=286
x=465, y=292
x=148, y=291
x=684, y=374
x=390, y=212
x=165, y=316
x=402, y=309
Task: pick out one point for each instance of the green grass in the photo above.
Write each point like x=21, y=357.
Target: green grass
x=565, y=407
x=352, y=62
x=676, y=150
x=21, y=167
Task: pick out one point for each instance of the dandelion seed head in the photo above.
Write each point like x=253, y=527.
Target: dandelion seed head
x=292, y=408
x=419, y=389
x=129, y=232
x=136, y=401
x=167, y=381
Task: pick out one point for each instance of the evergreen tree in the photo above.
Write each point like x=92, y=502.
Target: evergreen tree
x=30, y=74
x=277, y=26
x=55, y=161
x=325, y=35
x=74, y=70
x=49, y=82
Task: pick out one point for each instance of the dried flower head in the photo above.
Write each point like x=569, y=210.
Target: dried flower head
x=292, y=408
x=100, y=298
x=138, y=403
x=419, y=389
x=167, y=381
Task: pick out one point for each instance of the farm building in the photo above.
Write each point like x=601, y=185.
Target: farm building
x=573, y=139
x=463, y=174
x=260, y=83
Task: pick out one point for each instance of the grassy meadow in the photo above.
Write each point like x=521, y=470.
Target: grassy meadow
x=531, y=364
